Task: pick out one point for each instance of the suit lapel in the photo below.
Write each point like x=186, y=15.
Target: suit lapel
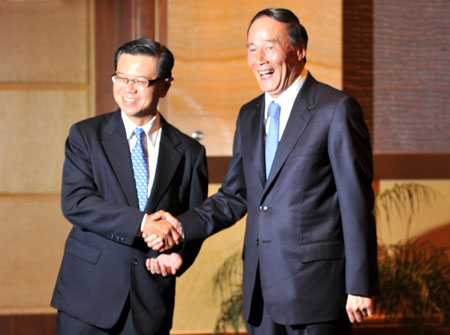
x=298, y=119
x=115, y=143
x=257, y=139
x=168, y=159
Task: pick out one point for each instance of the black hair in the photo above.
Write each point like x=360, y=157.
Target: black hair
x=296, y=31
x=146, y=46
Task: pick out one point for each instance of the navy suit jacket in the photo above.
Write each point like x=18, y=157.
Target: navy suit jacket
x=104, y=261
x=310, y=227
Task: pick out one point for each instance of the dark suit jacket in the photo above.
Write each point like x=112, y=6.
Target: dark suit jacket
x=310, y=227
x=104, y=261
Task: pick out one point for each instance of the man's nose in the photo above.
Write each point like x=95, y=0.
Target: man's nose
x=131, y=84
x=261, y=57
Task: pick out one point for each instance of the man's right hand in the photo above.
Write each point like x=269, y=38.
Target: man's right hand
x=159, y=233
x=155, y=241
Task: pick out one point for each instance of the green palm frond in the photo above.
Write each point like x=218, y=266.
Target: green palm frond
x=403, y=199
x=414, y=280
x=228, y=281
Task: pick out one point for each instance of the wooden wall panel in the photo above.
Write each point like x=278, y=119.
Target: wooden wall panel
x=44, y=41
x=32, y=237
x=357, y=52
x=45, y=86
x=117, y=22
x=212, y=79
x=33, y=129
x=45, y=325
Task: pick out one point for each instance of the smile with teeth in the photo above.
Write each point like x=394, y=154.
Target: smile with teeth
x=266, y=72
x=129, y=99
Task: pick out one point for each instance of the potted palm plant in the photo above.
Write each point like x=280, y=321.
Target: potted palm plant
x=228, y=281
x=414, y=275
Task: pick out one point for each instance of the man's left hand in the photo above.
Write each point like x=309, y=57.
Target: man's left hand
x=359, y=307
x=164, y=264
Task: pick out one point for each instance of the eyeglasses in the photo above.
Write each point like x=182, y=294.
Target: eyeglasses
x=137, y=82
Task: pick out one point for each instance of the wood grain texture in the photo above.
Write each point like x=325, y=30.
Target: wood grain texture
x=358, y=67
x=45, y=325
x=416, y=165
x=386, y=166
x=44, y=42
x=28, y=273
x=117, y=22
x=212, y=78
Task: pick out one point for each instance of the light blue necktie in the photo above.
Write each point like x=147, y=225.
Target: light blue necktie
x=272, y=135
x=140, y=169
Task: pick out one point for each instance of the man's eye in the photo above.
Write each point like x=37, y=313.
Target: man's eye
x=122, y=80
x=142, y=82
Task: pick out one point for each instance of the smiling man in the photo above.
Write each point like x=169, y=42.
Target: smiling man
x=118, y=167
x=302, y=170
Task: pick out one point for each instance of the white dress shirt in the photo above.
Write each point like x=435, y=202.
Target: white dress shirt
x=286, y=101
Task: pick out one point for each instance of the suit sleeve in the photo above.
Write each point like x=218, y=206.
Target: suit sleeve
x=351, y=159
x=82, y=202
x=224, y=208
x=197, y=194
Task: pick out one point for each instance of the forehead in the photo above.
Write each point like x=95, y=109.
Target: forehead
x=265, y=28
x=144, y=65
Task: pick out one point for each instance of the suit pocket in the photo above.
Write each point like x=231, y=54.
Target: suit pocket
x=81, y=250
x=312, y=149
x=322, y=251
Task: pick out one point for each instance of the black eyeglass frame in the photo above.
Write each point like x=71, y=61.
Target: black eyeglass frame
x=149, y=81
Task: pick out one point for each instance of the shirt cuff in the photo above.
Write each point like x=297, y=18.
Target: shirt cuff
x=143, y=223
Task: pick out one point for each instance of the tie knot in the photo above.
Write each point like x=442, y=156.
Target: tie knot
x=274, y=110
x=138, y=132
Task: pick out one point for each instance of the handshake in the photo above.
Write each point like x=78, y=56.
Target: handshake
x=162, y=231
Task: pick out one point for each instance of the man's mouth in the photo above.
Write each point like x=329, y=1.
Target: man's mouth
x=130, y=100
x=266, y=72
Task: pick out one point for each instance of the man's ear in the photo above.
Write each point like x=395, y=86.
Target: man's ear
x=167, y=83
x=301, y=52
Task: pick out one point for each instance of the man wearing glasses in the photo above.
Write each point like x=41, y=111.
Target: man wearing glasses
x=118, y=167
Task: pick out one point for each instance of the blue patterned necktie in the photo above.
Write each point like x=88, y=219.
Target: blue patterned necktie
x=140, y=169
x=272, y=135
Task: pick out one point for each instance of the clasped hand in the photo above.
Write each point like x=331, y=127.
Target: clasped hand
x=162, y=231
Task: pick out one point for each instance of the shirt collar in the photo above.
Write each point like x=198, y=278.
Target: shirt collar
x=151, y=128
x=287, y=98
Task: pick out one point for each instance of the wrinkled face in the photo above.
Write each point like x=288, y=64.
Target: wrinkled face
x=275, y=63
x=139, y=104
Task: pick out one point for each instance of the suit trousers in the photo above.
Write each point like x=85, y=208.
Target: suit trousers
x=68, y=325
x=261, y=323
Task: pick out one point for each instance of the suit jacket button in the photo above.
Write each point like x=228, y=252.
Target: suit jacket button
x=264, y=208
x=134, y=262
x=257, y=241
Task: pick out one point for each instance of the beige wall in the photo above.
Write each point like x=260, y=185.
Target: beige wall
x=45, y=86
x=424, y=218
x=196, y=303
